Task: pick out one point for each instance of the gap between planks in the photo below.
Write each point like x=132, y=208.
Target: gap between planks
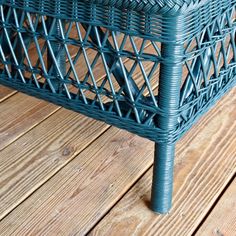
x=202, y=171
x=74, y=200
x=6, y=93
x=215, y=204
x=21, y=113
x=222, y=219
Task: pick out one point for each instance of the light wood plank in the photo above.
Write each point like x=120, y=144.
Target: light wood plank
x=78, y=196
x=39, y=154
x=205, y=162
x=222, y=220
x=19, y=114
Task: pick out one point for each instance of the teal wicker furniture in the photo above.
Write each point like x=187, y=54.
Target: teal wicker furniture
x=183, y=52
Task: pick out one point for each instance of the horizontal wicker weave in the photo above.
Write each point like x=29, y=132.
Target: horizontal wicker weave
x=164, y=64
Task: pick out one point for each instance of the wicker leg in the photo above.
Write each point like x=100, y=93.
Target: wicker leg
x=168, y=101
x=163, y=178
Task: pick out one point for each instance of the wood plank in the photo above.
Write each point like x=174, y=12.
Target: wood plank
x=73, y=199
x=78, y=196
x=222, y=219
x=20, y=113
x=5, y=93
x=39, y=154
x=205, y=162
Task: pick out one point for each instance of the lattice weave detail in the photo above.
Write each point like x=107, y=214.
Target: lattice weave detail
x=113, y=76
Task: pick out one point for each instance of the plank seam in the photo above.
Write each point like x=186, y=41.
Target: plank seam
x=8, y=96
x=215, y=203
x=50, y=177
x=117, y=202
x=33, y=126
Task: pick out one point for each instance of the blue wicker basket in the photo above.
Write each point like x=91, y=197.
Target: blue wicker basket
x=164, y=63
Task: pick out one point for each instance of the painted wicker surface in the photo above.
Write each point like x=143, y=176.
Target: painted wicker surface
x=161, y=39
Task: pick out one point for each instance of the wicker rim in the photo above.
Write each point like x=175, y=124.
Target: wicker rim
x=154, y=6
x=127, y=20
x=162, y=7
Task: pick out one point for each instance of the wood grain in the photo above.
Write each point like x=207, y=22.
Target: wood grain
x=205, y=162
x=222, y=219
x=39, y=154
x=79, y=194
x=19, y=114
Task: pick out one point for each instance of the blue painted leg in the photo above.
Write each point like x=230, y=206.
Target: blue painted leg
x=168, y=101
x=163, y=178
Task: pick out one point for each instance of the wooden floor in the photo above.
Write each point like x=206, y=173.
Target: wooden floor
x=62, y=173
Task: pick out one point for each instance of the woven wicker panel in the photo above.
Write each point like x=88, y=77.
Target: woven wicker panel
x=210, y=60
x=127, y=93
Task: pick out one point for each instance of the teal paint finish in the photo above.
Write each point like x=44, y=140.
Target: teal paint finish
x=184, y=35
x=168, y=101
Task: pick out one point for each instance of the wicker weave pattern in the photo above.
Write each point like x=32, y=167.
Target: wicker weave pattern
x=132, y=104
x=130, y=21
x=141, y=48
x=156, y=6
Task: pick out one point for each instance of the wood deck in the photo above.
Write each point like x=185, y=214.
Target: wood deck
x=62, y=173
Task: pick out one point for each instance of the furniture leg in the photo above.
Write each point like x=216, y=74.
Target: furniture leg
x=168, y=101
